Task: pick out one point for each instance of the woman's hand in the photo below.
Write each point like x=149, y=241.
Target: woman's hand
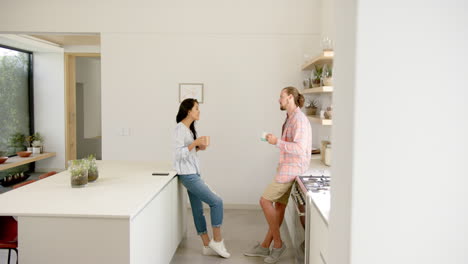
x=201, y=147
x=201, y=142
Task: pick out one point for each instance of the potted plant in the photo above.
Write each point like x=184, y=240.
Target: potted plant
x=16, y=142
x=78, y=173
x=38, y=143
x=29, y=140
x=311, y=106
x=93, y=172
x=327, y=76
x=316, y=76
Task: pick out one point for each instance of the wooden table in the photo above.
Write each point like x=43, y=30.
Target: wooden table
x=18, y=161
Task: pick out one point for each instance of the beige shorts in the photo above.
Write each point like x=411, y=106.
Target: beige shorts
x=278, y=192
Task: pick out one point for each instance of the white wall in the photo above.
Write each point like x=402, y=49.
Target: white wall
x=49, y=106
x=243, y=51
x=88, y=72
x=407, y=159
x=242, y=76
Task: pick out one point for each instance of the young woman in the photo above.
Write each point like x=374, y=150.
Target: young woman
x=186, y=162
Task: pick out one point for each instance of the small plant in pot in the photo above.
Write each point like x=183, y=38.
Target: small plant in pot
x=29, y=140
x=78, y=173
x=37, y=144
x=93, y=172
x=317, y=76
x=311, y=106
x=327, y=76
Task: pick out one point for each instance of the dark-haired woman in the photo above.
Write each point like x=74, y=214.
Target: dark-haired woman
x=188, y=169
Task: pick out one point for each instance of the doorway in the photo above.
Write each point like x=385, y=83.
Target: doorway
x=83, y=105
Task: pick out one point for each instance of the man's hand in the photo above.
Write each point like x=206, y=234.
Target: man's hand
x=271, y=139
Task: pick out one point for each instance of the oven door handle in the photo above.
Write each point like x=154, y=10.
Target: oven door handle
x=295, y=204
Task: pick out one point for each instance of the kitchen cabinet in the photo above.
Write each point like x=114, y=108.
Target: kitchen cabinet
x=318, y=230
x=127, y=216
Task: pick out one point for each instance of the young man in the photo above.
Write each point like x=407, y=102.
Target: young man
x=295, y=152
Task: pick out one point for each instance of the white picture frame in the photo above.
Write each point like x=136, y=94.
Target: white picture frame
x=191, y=90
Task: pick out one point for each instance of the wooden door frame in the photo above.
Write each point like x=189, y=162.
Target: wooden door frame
x=70, y=103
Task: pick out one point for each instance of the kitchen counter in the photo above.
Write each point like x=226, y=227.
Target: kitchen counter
x=125, y=216
x=121, y=191
x=320, y=199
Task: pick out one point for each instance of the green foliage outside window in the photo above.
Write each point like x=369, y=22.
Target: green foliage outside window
x=14, y=102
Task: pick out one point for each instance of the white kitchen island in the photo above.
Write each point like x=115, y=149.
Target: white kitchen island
x=125, y=216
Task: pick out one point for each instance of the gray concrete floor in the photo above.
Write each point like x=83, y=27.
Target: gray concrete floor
x=241, y=230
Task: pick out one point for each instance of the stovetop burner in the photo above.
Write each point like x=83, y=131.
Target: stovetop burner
x=315, y=183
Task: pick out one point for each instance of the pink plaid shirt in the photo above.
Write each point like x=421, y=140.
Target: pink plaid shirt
x=295, y=147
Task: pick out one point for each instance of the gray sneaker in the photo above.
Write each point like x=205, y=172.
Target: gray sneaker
x=275, y=254
x=258, y=251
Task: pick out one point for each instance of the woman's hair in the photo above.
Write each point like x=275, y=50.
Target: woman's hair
x=298, y=98
x=184, y=108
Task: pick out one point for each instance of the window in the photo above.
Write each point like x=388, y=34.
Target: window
x=16, y=99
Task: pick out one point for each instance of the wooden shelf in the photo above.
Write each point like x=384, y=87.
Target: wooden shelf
x=321, y=121
x=326, y=56
x=321, y=89
x=18, y=161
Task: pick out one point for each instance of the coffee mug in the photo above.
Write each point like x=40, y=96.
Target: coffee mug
x=263, y=138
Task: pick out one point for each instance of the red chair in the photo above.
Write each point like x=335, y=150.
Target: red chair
x=9, y=235
x=45, y=175
x=23, y=184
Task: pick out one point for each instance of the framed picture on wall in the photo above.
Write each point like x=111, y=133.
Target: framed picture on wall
x=191, y=90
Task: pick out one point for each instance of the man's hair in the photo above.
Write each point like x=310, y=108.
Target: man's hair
x=298, y=97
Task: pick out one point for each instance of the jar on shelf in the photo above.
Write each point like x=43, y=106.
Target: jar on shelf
x=327, y=77
x=328, y=154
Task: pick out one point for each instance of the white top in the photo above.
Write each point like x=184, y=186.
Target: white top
x=185, y=161
x=122, y=190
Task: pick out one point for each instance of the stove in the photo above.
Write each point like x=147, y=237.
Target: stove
x=315, y=183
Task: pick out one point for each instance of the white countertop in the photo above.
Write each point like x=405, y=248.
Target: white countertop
x=320, y=199
x=122, y=190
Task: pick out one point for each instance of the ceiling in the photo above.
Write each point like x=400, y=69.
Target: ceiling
x=71, y=40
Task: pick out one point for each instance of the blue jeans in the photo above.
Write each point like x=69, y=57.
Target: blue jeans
x=199, y=192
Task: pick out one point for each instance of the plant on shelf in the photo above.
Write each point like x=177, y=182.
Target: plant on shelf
x=311, y=106
x=28, y=140
x=16, y=142
x=328, y=112
x=93, y=172
x=327, y=75
x=38, y=142
x=316, y=76
x=79, y=173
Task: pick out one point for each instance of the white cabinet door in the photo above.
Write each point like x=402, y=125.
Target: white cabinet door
x=318, y=243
